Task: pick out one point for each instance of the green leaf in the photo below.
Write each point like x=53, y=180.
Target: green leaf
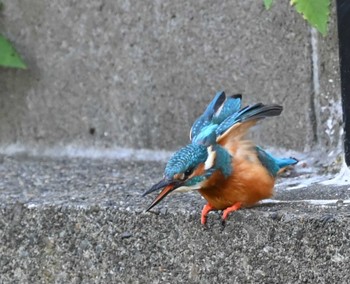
x=316, y=12
x=8, y=55
x=268, y=4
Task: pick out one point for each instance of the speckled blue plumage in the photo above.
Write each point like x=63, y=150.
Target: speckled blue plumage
x=217, y=111
x=207, y=135
x=222, y=113
x=186, y=158
x=231, y=106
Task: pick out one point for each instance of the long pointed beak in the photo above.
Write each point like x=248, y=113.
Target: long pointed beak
x=168, y=185
x=163, y=183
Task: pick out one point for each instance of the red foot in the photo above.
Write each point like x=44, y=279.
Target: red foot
x=206, y=209
x=230, y=209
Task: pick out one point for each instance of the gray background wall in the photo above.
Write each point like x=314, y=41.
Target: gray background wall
x=137, y=73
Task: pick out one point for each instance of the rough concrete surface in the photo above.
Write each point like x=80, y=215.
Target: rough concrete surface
x=83, y=221
x=137, y=73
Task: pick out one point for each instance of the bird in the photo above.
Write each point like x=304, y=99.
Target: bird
x=226, y=168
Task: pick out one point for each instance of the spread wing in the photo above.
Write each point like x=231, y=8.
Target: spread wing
x=234, y=127
x=219, y=109
x=225, y=123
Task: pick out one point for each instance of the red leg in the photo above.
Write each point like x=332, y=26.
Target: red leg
x=206, y=209
x=230, y=209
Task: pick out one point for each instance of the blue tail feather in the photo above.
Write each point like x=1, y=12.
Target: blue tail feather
x=285, y=162
x=273, y=164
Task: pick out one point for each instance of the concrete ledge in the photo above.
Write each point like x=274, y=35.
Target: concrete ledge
x=82, y=221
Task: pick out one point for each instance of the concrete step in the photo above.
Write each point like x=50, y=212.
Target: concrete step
x=83, y=221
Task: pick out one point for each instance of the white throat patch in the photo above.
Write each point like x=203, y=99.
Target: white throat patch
x=209, y=163
x=188, y=188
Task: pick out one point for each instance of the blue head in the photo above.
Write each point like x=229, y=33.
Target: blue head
x=185, y=161
x=184, y=171
x=190, y=167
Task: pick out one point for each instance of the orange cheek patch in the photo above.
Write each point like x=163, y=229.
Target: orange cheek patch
x=199, y=170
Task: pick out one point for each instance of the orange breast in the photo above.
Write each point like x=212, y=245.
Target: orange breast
x=249, y=183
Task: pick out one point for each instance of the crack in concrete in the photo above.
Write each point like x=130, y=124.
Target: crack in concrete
x=315, y=118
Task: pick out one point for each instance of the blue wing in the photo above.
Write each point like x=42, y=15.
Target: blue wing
x=217, y=111
x=232, y=105
x=205, y=119
x=256, y=111
x=207, y=135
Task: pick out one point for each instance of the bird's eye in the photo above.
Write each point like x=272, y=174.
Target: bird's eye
x=188, y=172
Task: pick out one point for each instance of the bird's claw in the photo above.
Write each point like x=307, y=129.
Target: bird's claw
x=206, y=209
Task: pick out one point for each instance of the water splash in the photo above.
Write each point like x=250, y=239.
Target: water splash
x=342, y=178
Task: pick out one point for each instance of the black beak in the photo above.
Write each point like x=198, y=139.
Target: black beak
x=168, y=185
x=163, y=183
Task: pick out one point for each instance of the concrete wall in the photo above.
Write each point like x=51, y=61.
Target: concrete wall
x=327, y=98
x=137, y=73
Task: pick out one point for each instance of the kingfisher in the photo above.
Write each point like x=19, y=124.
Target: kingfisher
x=228, y=170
